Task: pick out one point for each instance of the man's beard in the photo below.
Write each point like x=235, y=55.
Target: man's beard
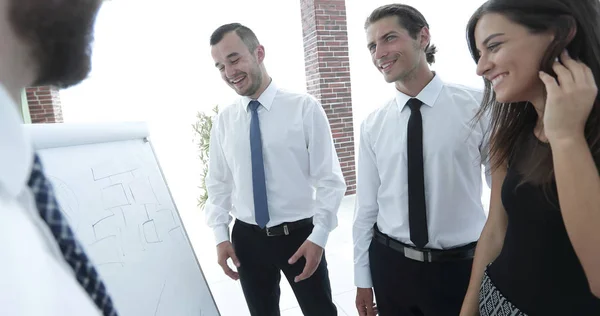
x=410, y=73
x=59, y=34
x=255, y=76
x=256, y=82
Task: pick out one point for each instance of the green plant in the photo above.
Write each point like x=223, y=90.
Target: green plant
x=202, y=129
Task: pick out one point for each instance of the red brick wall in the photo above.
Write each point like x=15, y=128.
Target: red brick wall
x=44, y=105
x=327, y=68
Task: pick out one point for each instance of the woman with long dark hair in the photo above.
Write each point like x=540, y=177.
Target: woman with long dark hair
x=539, y=253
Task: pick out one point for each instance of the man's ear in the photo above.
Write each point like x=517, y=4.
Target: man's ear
x=425, y=37
x=260, y=53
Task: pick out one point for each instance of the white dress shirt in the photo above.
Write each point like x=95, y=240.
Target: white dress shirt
x=453, y=154
x=302, y=170
x=34, y=277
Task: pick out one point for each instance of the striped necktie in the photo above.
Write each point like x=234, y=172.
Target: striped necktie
x=72, y=251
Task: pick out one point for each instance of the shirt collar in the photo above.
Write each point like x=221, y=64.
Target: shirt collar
x=266, y=98
x=17, y=154
x=428, y=95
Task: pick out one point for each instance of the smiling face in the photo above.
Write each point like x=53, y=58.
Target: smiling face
x=510, y=57
x=239, y=67
x=393, y=51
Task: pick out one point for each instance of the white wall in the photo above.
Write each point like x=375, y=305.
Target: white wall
x=152, y=63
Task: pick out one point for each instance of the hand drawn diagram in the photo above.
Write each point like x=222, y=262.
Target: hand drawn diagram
x=119, y=205
x=132, y=218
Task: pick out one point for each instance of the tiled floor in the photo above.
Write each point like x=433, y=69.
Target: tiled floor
x=228, y=293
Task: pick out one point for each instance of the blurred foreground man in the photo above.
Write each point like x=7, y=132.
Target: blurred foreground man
x=44, y=270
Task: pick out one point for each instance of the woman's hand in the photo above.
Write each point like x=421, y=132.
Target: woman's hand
x=568, y=101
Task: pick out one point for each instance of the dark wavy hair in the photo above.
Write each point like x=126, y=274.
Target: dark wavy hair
x=512, y=124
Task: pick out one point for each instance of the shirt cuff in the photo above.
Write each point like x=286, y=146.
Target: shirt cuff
x=362, y=277
x=319, y=236
x=221, y=233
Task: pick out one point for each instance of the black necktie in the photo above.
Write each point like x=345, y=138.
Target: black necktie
x=417, y=215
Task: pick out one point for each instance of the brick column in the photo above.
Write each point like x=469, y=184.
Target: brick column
x=327, y=68
x=44, y=104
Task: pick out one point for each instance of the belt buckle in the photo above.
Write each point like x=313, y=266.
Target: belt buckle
x=269, y=234
x=286, y=231
x=417, y=255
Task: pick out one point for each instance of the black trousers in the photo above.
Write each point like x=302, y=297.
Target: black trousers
x=263, y=258
x=405, y=287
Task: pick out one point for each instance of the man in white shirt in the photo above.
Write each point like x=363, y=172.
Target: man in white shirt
x=44, y=43
x=418, y=208
x=273, y=166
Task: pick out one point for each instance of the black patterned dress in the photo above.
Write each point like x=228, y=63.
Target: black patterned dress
x=537, y=271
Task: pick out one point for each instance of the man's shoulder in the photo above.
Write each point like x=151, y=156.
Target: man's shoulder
x=229, y=110
x=24, y=214
x=464, y=92
x=376, y=115
x=295, y=96
x=25, y=235
x=231, y=107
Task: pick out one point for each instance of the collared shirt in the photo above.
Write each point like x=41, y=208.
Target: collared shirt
x=35, y=278
x=302, y=170
x=454, y=151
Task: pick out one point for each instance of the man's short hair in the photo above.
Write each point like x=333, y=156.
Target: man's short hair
x=245, y=34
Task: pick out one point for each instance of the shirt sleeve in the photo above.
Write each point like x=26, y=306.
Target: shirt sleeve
x=325, y=172
x=366, y=209
x=34, y=280
x=219, y=186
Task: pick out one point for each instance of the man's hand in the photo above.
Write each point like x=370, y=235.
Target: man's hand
x=365, y=303
x=313, y=254
x=224, y=252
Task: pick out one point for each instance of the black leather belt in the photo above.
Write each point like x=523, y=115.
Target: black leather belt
x=282, y=229
x=426, y=255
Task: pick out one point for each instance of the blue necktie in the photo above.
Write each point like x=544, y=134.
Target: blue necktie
x=261, y=210
x=73, y=252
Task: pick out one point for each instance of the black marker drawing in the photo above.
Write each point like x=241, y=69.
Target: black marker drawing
x=159, y=297
x=170, y=212
x=124, y=219
x=140, y=235
x=142, y=192
x=99, y=224
x=98, y=173
x=68, y=201
x=120, y=263
x=123, y=214
x=114, y=196
x=110, y=250
x=150, y=232
x=177, y=231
